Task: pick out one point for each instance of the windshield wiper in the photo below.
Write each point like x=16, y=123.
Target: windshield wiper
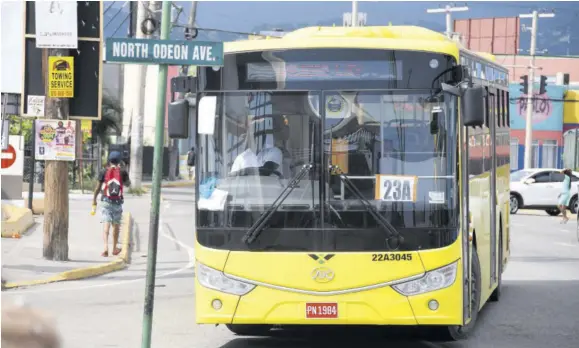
x=257, y=227
x=392, y=233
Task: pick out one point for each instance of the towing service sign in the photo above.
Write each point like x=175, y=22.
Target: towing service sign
x=61, y=77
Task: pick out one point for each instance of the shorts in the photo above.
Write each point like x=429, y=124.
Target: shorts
x=112, y=213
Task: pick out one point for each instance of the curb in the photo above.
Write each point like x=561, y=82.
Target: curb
x=539, y=213
x=18, y=222
x=183, y=183
x=93, y=271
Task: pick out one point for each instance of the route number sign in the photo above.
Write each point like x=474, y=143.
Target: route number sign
x=396, y=188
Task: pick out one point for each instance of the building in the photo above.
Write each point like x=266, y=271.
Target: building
x=555, y=113
x=548, y=126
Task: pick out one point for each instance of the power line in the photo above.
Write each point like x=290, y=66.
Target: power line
x=120, y=25
x=108, y=8
x=177, y=25
x=116, y=14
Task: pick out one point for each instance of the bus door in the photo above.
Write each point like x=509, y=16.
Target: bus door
x=491, y=110
x=464, y=139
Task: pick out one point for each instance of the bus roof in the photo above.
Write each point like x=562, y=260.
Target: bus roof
x=378, y=37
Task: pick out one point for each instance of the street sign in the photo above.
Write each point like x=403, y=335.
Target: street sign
x=170, y=52
x=60, y=77
x=8, y=157
x=56, y=24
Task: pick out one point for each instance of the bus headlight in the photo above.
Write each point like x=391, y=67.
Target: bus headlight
x=216, y=280
x=434, y=280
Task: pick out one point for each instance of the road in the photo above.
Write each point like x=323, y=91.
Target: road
x=539, y=307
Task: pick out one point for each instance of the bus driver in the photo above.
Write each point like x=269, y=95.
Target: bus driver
x=267, y=137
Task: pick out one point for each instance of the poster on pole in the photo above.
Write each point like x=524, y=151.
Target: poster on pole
x=35, y=105
x=56, y=24
x=60, y=77
x=55, y=140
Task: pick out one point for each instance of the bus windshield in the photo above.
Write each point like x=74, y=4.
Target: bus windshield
x=252, y=144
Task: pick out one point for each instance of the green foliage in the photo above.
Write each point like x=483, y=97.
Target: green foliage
x=111, y=120
x=21, y=126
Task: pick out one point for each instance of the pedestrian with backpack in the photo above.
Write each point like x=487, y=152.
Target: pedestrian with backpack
x=111, y=183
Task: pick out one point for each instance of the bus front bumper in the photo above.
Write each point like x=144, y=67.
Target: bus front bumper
x=379, y=306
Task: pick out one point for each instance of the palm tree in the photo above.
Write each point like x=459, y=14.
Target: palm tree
x=111, y=119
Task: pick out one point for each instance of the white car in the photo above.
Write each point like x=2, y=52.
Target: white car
x=539, y=189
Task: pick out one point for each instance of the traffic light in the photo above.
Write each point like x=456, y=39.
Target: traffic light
x=543, y=85
x=524, y=84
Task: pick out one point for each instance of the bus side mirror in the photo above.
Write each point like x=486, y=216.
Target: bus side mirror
x=178, y=119
x=473, y=106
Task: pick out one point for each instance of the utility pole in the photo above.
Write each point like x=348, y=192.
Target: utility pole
x=185, y=69
x=531, y=86
x=137, y=115
x=55, y=227
x=448, y=9
x=354, y=13
x=156, y=185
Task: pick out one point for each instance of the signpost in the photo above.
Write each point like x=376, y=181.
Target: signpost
x=170, y=52
x=162, y=52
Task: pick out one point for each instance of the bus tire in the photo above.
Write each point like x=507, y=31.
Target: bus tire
x=496, y=295
x=461, y=332
x=249, y=330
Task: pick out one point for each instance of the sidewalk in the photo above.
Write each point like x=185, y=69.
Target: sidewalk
x=23, y=264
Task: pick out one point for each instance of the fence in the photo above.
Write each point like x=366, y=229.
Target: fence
x=82, y=173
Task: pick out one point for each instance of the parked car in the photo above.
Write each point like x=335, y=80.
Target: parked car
x=539, y=189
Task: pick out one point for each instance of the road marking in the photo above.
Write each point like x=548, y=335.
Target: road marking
x=567, y=244
x=191, y=263
x=566, y=231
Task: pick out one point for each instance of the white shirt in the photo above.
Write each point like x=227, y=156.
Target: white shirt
x=247, y=159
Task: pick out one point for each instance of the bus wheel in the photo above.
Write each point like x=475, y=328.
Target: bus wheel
x=496, y=295
x=456, y=333
x=249, y=330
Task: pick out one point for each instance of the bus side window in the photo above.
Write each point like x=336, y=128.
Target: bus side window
x=487, y=104
x=498, y=114
x=508, y=106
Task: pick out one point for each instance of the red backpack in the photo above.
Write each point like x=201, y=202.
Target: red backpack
x=113, y=183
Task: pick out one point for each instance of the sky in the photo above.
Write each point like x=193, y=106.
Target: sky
x=560, y=35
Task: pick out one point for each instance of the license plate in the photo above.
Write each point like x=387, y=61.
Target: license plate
x=321, y=310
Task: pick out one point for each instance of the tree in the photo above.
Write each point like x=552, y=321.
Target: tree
x=111, y=119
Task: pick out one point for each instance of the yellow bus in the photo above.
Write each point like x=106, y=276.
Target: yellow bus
x=351, y=176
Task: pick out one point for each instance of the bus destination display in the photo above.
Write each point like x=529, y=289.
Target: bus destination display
x=324, y=70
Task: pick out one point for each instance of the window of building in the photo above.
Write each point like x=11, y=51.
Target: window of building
x=514, y=153
x=549, y=154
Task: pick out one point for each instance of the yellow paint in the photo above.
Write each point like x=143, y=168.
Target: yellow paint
x=15, y=221
x=571, y=107
x=60, y=77
x=282, y=275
